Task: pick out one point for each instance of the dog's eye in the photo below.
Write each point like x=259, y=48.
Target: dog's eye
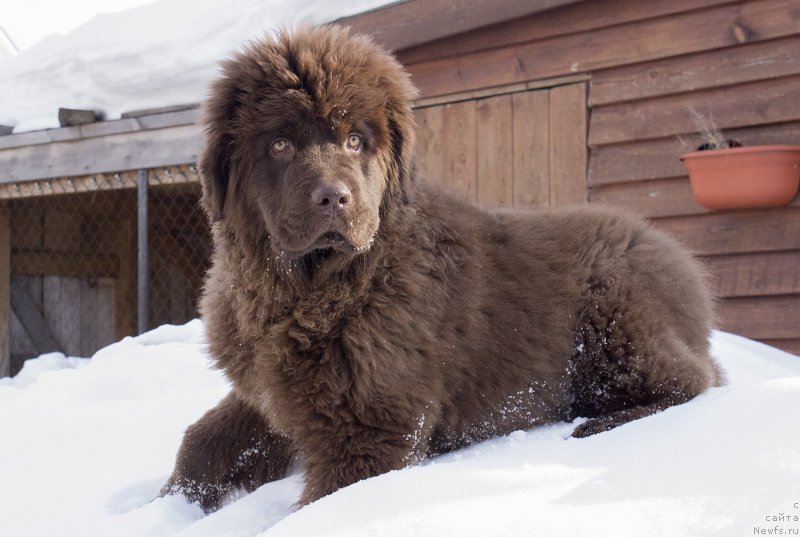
x=353, y=142
x=281, y=145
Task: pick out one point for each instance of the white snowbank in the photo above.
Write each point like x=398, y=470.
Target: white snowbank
x=160, y=54
x=30, y=21
x=86, y=444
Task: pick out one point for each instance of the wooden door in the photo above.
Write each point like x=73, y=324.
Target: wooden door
x=523, y=149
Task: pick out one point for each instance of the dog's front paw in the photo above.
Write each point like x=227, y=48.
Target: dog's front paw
x=206, y=495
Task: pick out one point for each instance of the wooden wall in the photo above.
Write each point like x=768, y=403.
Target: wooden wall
x=521, y=149
x=649, y=64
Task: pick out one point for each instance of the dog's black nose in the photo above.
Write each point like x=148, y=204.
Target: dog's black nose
x=331, y=197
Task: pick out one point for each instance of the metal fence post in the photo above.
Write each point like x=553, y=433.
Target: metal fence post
x=143, y=267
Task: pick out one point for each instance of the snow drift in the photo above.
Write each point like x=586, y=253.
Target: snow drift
x=86, y=444
x=156, y=55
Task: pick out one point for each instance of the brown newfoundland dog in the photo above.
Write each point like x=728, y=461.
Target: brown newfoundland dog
x=367, y=320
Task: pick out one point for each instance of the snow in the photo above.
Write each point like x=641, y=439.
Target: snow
x=86, y=445
x=151, y=56
x=30, y=21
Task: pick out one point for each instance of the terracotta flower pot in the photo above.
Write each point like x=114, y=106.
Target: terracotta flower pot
x=756, y=176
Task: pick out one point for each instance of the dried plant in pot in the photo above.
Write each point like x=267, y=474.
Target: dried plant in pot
x=726, y=175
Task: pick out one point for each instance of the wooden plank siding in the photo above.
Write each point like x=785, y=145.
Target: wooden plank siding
x=694, y=72
x=495, y=140
x=460, y=149
x=568, y=151
x=410, y=22
x=521, y=149
x=648, y=64
x=755, y=274
x=753, y=103
x=638, y=160
x=761, y=317
x=733, y=232
x=531, y=132
x=609, y=46
x=558, y=22
x=641, y=122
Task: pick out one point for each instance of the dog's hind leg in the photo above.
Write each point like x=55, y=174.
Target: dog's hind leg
x=616, y=379
x=230, y=447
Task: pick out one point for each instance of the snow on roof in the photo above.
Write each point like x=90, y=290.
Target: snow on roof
x=86, y=445
x=157, y=55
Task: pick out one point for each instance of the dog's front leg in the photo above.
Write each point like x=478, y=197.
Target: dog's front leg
x=344, y=457
x=231, y=446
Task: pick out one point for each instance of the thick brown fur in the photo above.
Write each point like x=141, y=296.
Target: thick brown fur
x=385, y=321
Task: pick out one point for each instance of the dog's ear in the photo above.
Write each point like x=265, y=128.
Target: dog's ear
x=401, y=131
x=215, y=168
x=402, y=126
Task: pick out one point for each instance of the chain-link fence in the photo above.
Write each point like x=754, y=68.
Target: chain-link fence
x=75, y=264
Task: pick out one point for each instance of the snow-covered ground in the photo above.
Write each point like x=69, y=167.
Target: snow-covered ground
x=156, y=55
x=86, y=444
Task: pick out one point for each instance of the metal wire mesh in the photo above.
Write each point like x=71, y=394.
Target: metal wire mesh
x=180, y=250
x=74, y=260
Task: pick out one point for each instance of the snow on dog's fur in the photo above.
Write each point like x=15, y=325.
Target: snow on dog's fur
x=367, y=320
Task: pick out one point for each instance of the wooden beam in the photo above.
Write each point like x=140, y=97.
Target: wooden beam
x=67, y=185
x=521, y=87
x=169, y=175
x=160, y=110
x=31, y=317
x=173, y=175
x=187, y=116
x=5, y=290
x=143, y=149
x=65, y=264
x=405, y=24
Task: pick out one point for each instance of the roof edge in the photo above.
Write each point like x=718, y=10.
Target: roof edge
x=409, y=23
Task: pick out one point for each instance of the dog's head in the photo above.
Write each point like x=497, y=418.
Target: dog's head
x=311, y=132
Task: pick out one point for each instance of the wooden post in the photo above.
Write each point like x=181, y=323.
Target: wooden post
x=5, y=289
